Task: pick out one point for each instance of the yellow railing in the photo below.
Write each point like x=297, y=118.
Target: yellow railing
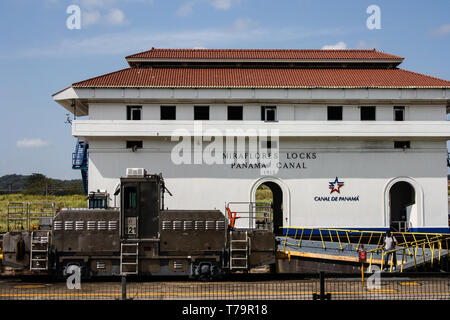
x=374, y=236
x=412, y=247
x=323, y=232
x=342, y=236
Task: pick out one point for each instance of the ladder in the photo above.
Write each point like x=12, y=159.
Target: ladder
x=238, y=250
x=129, y=254
x=39, y=250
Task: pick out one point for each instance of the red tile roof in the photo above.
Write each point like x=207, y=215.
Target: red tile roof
x=262, y=78
x=256, y=54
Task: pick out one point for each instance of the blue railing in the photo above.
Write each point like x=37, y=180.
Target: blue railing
x=80, y=162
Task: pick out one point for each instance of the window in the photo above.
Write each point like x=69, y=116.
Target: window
x=367, y=113
x=168, y=113
x=134, y=145
x=269, y=113
x=399, y=113
x=402, y=145
x=134, y=112
x=130, y=197
x=334, y=113
x=235, y=113
x=201, y=113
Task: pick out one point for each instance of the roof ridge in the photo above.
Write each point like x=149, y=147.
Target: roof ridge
x=260, y=49
x=267, y=53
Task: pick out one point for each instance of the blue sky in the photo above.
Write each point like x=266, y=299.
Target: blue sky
x=39, y=55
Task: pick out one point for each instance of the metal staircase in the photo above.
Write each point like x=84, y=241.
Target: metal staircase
x=129, y=258
x=80, y=162
x=239, y=247
x=39, y=250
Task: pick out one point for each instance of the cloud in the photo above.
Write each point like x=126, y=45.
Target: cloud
x=185, y=9
x=442, y=30
x=221, y=4
x=132, y=41
x=32, y=143
x=116, y=18
x=243, y=24
x=89, y=18
x=362, y=45
x=108, y=3
x=340, y=45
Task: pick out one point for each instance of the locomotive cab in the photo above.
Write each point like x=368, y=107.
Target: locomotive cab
x=141, y=202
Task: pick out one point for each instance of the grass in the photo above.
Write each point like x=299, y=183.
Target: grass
x=74, y=201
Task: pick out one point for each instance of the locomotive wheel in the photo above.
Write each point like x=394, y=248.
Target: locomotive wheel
x=207, y=271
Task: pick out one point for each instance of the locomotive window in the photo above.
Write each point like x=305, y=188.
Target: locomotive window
x=130, y=195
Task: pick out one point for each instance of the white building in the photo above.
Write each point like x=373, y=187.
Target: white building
x=362, y=143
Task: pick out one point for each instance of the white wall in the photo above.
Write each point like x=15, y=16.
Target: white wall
x=285, y=112
x=366, y=168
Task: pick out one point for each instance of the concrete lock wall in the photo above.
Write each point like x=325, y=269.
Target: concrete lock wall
x=366, y=169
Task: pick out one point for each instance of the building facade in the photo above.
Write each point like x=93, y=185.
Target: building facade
x=343, y=138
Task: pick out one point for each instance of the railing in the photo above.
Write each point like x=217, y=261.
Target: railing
x=349, y=236
x=250, y=287
x=79, y=157
x=411, y=248
x=26, y=216
x=259, y=215
x=400, y=226
x=342, y=236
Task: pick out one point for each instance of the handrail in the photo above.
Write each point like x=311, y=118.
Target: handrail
x=372, y=234
x=415, y=245
x=21, y=215
x=249, y=213
x=409, y=248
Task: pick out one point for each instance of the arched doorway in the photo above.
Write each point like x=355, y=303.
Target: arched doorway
x=402, y=200
x=270, y=194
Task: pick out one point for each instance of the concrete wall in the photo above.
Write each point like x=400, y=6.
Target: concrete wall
x=367, y=168
x=285, y=112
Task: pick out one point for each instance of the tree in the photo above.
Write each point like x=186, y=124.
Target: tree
x=37, y=184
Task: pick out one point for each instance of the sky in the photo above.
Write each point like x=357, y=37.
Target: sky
x=40, y=54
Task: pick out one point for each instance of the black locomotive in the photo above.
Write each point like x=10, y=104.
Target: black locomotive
x=140, y=238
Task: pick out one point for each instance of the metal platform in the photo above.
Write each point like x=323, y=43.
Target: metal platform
x=410, y=254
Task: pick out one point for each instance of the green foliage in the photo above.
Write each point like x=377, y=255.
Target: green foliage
x=36, y=184
x=264, y=194
x=39, y=184
x=13, y=182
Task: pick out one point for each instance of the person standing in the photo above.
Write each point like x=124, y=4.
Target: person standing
x=389, y=243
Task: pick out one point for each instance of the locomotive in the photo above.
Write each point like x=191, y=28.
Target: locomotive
x=140, y=237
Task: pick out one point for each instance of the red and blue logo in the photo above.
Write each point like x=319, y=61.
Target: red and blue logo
x=336, y=185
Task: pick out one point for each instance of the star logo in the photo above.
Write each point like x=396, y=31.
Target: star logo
x=335, y=186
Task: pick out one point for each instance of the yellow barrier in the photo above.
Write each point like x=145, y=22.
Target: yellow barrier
x=409, y=248
x=414, y=245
